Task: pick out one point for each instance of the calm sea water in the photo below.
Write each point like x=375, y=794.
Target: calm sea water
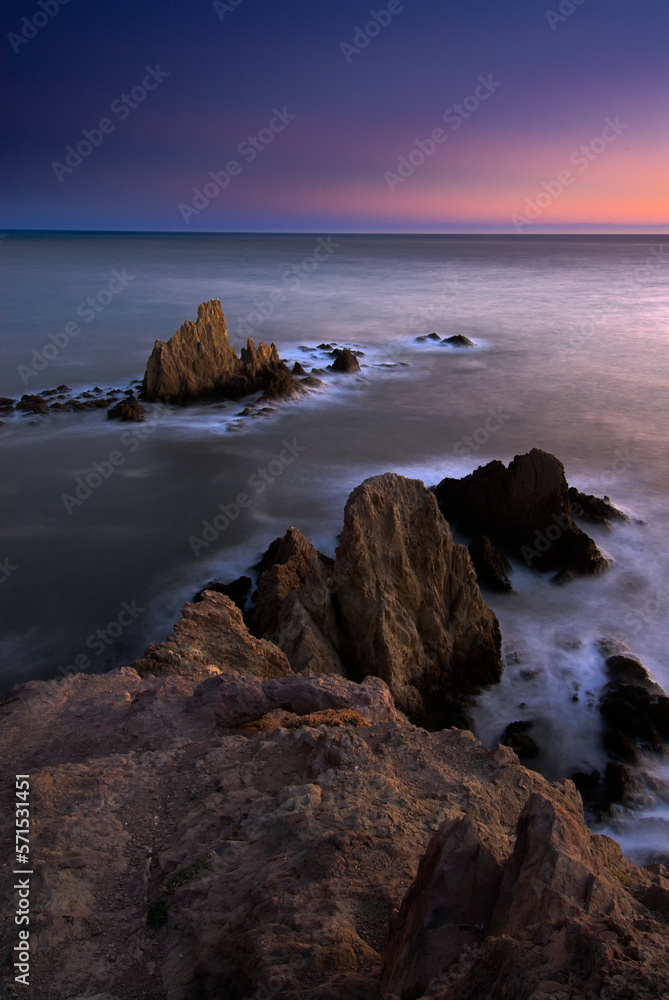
x=573, y=357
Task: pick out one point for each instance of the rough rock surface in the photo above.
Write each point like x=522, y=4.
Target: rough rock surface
x=592, y=508
x=294, y=607
x=345, y=361
x=408, y=604
x=459, y=340
x=524, y=509
x=176, y=858
x=179, y=857
x=492, y=567
x=557, y=918
x=127, y=410
x=199, y=362
x=212, y=636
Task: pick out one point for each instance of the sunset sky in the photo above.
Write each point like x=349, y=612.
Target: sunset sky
x=570, y=126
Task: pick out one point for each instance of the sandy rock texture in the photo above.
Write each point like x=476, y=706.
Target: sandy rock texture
x=199, y=362
x=186, y=845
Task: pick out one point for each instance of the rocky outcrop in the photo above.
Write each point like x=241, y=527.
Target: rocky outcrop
x=189, y=844
x=492, y=567
x=294, y=606
x=592, y=508
x=345, y=361
x=635, y=710
x=558, y=916
x=210, y=639
x=459, y=340
x=128, y=409
x=408, y=605
x=199, y=362
x=525, y=509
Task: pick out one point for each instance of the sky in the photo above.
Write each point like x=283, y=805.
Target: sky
x=515, y=116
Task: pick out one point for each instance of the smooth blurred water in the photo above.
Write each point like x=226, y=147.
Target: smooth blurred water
x=573, y=357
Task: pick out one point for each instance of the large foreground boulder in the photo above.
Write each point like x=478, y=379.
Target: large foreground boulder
x=199, y=362
x=524, y=509
x=408, y=603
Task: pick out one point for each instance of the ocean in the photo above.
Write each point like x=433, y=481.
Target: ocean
x=572, y=357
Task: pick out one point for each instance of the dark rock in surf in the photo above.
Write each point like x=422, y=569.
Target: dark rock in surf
x=492, y=567
x=127, y=410
x=32, y=404
x=592, y=508
x=634, y=708
x=298, y=369
x=524, y=509
x=516, y=736
x=459, y=340
x=280, y=385
x=428, y=336
x=345, y=361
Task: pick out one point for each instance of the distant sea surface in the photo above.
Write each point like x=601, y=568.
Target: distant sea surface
x=573, y=357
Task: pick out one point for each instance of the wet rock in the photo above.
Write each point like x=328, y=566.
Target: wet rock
x=619, y=785
x=326, y=347
x=297, y=369
x=127, y=410
x=345, y=361
x=492, y=567
x=428, y=336
x=6, y=403
x=524, y=509
x=459, y=340
x=408, y=603
x=634, y=708
x=592, y=508
x=280, y=385
x=32, y=404
x=313, y=383
x=199, y=362
x=516, y=736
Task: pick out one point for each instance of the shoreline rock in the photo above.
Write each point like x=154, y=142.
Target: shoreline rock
x=524, y=509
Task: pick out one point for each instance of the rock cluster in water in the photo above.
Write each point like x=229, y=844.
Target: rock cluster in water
x=525, y=509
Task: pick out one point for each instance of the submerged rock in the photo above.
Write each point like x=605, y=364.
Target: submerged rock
x=525, y=509
x=458, y=340
x=199, y=362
